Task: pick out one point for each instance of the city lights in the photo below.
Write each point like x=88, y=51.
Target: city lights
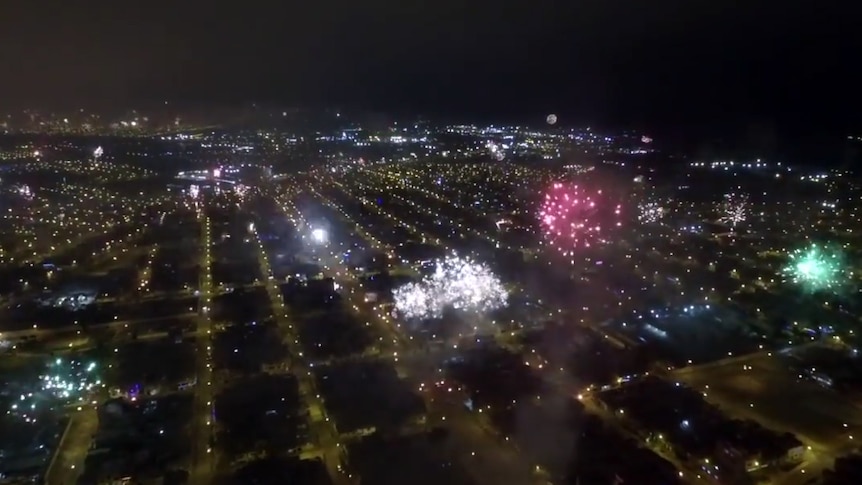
x=466, y=273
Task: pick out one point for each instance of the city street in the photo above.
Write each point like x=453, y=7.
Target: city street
x=68, y=462
x=203, y=434
x=323, y=431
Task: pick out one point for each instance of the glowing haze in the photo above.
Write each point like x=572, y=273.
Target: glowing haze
x=574, y=217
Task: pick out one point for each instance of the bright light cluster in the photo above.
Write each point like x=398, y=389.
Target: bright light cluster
x=733, y=209
x=650, y=212
x=574, y=217
x=24, y=191
x=495, y=150
x=64, y=381
x=817, y=268
x=69, y=379
x=319, y=235
x=458, y=283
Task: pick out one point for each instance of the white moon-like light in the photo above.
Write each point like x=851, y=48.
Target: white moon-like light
x=319, y=235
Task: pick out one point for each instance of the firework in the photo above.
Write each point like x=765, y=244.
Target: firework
x=24, y=190
x=458, y=283
x=574, y=217
x=650, y=212
x=817, y=268
x=67, y=379
x=240, y=190
x=495, y=150
x=733, y=209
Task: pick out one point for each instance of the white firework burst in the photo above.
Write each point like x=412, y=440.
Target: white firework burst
x=495, y=151
x=240, y=190
x=650, y=212
x=733, y=209
x=458, y=283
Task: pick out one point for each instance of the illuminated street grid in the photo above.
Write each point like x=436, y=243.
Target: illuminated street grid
x=39, y=220
x=383, y=321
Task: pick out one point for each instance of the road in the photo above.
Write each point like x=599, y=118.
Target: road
x=40, y=334
x=762, y=387
x=738, y=359
x=487, y=459
x=323, y=431
x=68, y=463
x=203, y=460
x=689, y=473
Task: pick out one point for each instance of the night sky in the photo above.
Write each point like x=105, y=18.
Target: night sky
x=632, y=62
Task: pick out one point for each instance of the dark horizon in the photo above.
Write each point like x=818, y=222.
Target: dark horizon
x=665, y=65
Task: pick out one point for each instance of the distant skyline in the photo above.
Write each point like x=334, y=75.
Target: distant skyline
x=769, y=64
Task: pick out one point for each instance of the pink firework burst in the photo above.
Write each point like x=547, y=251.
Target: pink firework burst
x=574, y=217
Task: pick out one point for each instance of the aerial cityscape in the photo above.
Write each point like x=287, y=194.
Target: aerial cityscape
x=423, y=303
x=430, y=243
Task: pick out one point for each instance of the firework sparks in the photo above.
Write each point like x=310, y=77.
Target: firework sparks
x=24, y=190
x=458, y=283
x=650, y=212
x=573, y=217
x=817, y=268
x=734, y=209
x=495, y=150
